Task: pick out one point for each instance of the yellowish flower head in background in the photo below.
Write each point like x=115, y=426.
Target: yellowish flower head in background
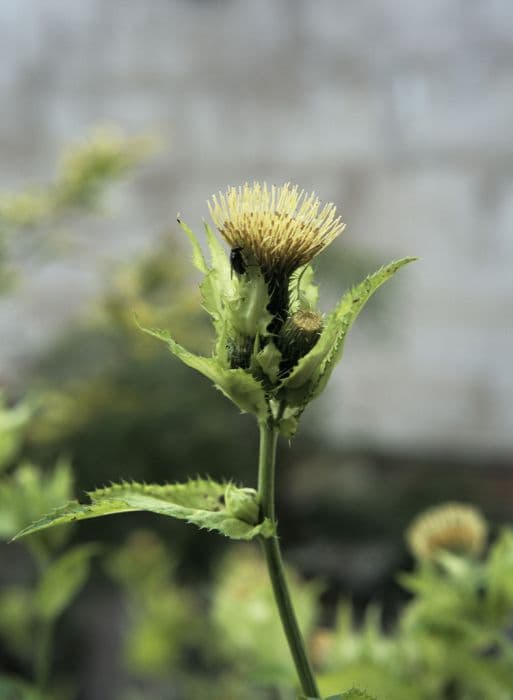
x=282, y=228
x=450, y=527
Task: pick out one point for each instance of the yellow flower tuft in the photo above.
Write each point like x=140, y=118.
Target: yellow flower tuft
x=282, y=228
x=453, y=526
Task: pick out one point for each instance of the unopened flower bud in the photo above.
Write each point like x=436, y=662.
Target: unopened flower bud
x=242, y=503
x=299, y=334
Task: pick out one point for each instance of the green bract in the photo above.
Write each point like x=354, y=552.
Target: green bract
x=253, y=363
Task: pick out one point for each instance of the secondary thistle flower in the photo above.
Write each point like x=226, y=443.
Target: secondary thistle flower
x=280, y=228
x=453, y=526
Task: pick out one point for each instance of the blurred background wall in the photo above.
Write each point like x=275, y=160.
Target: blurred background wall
x=400, y=113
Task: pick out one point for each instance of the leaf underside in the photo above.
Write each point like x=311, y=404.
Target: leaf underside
x=200, y=502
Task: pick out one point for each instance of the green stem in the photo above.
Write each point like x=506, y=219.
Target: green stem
x=271, y=545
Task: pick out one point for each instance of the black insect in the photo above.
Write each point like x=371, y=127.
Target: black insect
x=237, y=261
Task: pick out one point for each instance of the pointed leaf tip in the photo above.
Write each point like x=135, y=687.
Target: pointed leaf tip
x=197, y=254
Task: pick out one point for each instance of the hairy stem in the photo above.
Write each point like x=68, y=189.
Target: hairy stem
x=266, y=468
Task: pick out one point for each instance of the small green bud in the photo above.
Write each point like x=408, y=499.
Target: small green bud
x=300, y=333
x=242, y=504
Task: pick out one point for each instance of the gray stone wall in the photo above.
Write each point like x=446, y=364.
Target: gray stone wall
x=400, y=112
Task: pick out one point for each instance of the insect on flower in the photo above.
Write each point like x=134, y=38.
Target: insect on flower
x=237, y=262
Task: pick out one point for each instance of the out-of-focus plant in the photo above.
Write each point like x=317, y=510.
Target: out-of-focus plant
x=84, y=174
x=12, y=424
x=163, y=618
x=274, y=353
x=29, y=611
x=453, y=640
x=243, y=612
x=85, y=171
x=233, y=638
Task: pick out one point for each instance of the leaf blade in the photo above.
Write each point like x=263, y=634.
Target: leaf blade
x=197, y=254
x=200, y=502
x=62, y=580
x=309, y=377
x=236, y=384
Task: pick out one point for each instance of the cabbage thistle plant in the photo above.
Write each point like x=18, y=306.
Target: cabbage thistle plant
x=274, y=353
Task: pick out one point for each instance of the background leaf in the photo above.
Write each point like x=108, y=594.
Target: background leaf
x=353, y=694
x=62, y=580
x=15, y=689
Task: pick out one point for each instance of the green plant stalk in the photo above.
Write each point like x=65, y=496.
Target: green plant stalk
x=266, y=479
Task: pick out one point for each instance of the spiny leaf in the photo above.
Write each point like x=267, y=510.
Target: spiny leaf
x=309, y=377
x=200, y=501
x=219, y=260
x=346, y=313
x=197, y=254
x=211, y=296
x=236, y=384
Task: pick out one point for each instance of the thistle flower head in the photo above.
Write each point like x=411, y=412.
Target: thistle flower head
x=281, y=228
x=305, y=323
x=453, y=526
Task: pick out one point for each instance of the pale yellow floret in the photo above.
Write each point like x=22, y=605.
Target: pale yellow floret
x=282, y=228
x=451, y=527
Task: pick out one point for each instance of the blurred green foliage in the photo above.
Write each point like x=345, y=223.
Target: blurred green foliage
x=29, y=610
x=163, y=617
x=84, y=171
x=84, y=174
x=30, y=607
x=228, y=643
x=12, y=423
x=453, y=640
x=244, y=613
